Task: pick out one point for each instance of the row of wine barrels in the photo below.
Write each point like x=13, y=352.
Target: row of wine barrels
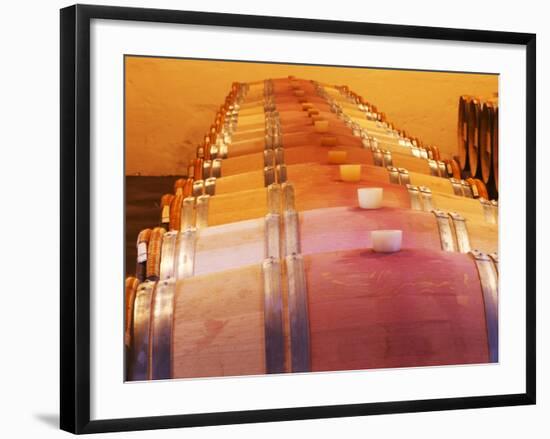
x=477, y=131
x=230, y=245
x=234, y=170
x=249, y=179
x=257, y=162
x=273, y=276
x=358, y=311
x=388, y=141
x=485, y=137
x=351, y=102
x=251, y=203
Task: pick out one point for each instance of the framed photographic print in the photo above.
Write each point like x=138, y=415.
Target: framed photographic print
x=268, y=218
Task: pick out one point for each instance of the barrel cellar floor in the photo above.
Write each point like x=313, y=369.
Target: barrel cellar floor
x=142, y=210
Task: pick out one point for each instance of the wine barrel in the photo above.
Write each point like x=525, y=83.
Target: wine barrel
x=165, y=202
x=462, y=131
x=474, y=112
x=486, y=140
x=131, y=286
x=495, y=147
x=142, y=251
x=478, y=187
x=455, y=168
x=347, y=228
x=154, y=253
x=358, y=310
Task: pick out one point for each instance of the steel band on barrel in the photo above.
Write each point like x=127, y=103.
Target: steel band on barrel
x=404, y=177
x=188, y=213
x=489, y=211
x=167, y=262
x=161, y=330
x=274, y=196
x=289, y=197
x=445, y=231
x=279, y=156
x=393, y=175
x=202, y=211
x=292, y=232
x=268, y=158
x=378, y=157
x=461, y=232
x=272, y=235
x=269, y=175
x=457, y=187
x=216, y=168
x=426, y=196
x=198, y=188
x=139, y=369
x=185, y=261
x=489, y=285
x=494, y=258
x=298, y=314
x=273, y=319
x=207, y=169
x=281, y=173
x=414, y=195
x=388, y=161
x=466, y=189
x=442, y=169
x=210, y=186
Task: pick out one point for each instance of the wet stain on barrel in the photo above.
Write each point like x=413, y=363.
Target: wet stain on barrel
x=213, y=328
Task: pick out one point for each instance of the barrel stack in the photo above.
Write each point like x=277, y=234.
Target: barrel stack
x=263, y=261
x=478, y=141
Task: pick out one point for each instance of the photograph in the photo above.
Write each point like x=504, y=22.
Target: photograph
x=288, y=218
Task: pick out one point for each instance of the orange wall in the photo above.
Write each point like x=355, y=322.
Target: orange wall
x=170, y=103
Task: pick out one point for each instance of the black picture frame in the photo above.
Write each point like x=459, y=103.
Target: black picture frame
x=75, y=217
